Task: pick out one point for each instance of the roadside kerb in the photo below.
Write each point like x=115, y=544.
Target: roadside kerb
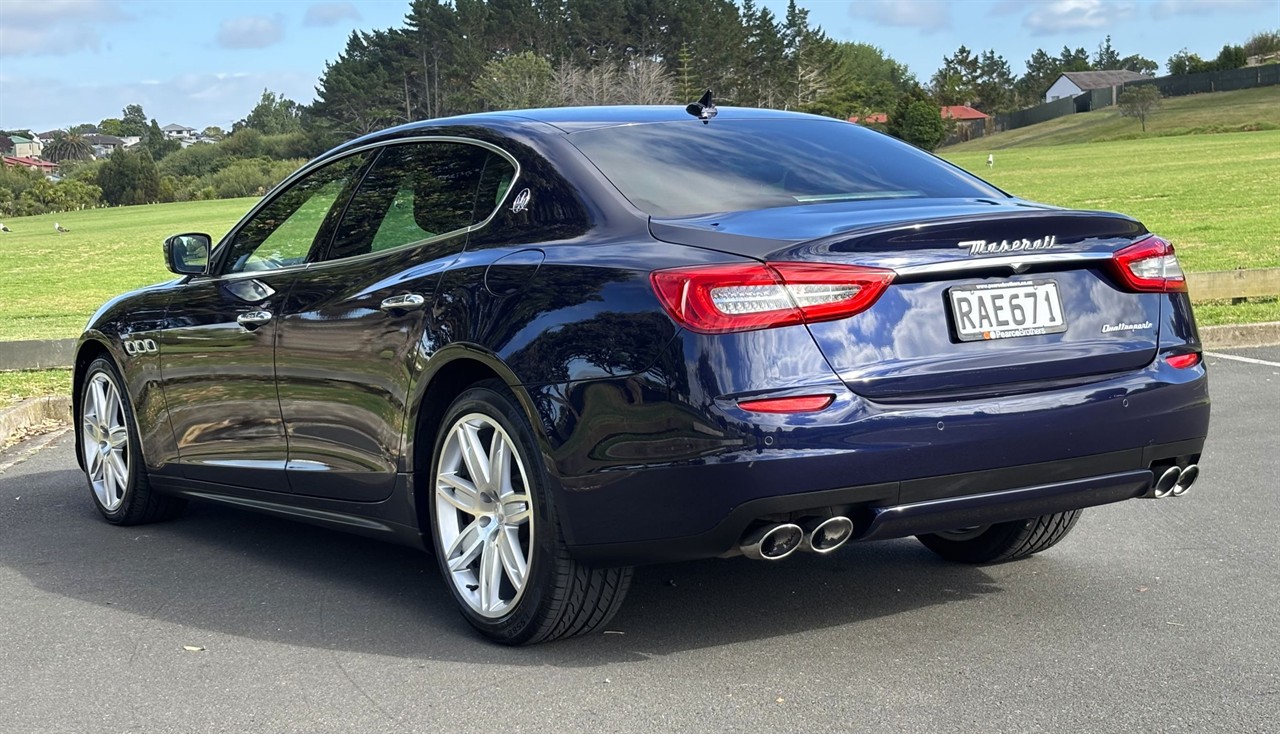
x=15, y=420
x=39, y=354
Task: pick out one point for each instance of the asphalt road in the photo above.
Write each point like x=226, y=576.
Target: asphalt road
x=1153, y=616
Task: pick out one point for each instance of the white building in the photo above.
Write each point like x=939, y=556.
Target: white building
x=1072, y=83
x=178, y=132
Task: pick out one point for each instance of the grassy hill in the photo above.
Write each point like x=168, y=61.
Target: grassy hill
x=1245, y=110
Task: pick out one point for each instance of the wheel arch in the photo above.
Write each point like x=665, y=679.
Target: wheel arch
x=89, y=349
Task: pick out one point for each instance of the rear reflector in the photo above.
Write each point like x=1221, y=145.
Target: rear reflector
x=801, y=404
x=1183, y=361
x=715, y=299
x=1149, y=266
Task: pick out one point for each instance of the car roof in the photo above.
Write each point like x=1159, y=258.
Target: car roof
x=573, y=119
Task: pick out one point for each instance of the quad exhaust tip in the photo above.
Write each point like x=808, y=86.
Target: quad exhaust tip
x=826, y=534
x=1175, y=481
x=773, y=542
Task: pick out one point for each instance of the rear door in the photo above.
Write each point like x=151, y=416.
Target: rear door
x=350, y=336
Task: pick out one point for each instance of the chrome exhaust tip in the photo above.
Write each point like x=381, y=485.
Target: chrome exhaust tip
x=1185, y=480
x=772, y=542
x=826, y=534
x=1165, y=484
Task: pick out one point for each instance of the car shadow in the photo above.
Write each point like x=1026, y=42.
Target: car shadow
x=233, y=572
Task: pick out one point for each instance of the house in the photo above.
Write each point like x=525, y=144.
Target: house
x=178, y=132
x=968, y=122
x=103, y=145
x=44, y=167
x=47, y=137
x=1071, y=83
x=877, y=118
x=20, y=147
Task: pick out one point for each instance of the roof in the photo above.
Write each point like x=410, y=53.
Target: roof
x=962, y=112
x=1100, y=79
x=11, y=160
x=874, y=118
x=173, y=128
x=18, y=139
x=100, y=139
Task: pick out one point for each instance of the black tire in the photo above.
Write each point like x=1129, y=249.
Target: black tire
x=1006, y=541
x=137, y=502
x=561, y=598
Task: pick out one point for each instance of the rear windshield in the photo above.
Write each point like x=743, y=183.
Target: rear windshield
x=677, y=169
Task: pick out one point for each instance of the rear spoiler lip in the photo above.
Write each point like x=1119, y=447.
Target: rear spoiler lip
x=1016, y=262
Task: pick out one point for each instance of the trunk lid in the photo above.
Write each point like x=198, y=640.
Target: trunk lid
x=953, y=256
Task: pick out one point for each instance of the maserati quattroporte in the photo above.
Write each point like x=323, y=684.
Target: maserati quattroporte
x=551, y=345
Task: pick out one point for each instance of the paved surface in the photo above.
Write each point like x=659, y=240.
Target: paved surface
x=1153, y=616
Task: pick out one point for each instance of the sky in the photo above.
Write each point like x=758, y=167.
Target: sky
x=199, y=63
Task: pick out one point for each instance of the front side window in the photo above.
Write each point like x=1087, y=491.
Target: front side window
x=418, y=191
x=283, y=232
x=677, y=169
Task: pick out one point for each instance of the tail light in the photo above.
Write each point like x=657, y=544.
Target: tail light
x=715, y=299
x=1183, y=361
x=1150, y=266
x=795, y=404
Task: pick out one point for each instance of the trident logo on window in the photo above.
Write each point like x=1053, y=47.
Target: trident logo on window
x=521, y=202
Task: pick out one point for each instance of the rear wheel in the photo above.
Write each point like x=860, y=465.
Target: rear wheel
x=1006, y=541
x=496, y=533
x=112, y=453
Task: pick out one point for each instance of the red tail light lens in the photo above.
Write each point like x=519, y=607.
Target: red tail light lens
x=715, y=299
x=1183, y=361
x=1149, y=266
x=799, y=404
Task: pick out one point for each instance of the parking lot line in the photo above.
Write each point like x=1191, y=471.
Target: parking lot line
x=1250, y=360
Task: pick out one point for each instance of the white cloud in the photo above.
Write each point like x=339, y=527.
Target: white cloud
x=250, y=31
x=54, y=27
x=1064, y=16
x=927, y=15
x=196, y=100
x=1167, y=8
x=326, y=14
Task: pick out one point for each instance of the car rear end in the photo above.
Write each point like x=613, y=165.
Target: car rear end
x=901, y=363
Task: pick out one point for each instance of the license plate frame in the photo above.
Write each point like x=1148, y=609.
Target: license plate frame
x=972, y=306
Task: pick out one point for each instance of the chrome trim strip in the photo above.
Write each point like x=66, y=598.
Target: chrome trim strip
x=984, y=263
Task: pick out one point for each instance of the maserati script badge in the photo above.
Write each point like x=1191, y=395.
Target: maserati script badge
x=983, y=247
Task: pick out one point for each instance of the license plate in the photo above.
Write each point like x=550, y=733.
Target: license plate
x=1006, y=310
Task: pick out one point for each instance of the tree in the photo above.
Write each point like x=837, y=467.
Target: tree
x=112, y=126
x=83, y=128
x=273, y=115
x=1106, y=59
x=1139, y=101
x=67, y=146
x=1185, y=62
x=954, y=83
x=1262, y=42
x=1139, y=64
x=1077, y=60
x=1231, y=57
x=917, y=120
x=129, y=177
x=515, y=82
x=133, y=121
x=213, y=131
x=155, y=143
x=644, y=81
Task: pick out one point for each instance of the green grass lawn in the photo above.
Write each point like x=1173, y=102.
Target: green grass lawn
x=50, y=282
x=1247, y=109
x=15, y=386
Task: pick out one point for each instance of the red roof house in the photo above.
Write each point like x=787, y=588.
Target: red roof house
x=963, y=113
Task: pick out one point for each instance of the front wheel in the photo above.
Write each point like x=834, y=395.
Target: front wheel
x=496, y=533
x=112, y=453
x=1006, y=541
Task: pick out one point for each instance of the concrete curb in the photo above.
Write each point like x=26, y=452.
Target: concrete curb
x=40, y=354
x=33, y=412
x=1241, y=335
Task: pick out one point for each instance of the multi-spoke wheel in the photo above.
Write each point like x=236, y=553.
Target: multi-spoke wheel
x=496, y=533
x=485, y=524
x=111, y=453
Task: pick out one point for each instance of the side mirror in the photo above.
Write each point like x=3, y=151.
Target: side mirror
x=188, y=254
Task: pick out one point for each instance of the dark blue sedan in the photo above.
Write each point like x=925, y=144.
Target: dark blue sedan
x=550, y=345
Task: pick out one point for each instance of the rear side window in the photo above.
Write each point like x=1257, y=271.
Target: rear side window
x=677, y=169
x=418, y=191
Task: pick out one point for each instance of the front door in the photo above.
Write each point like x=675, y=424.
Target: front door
x=218, y=343
x=349, y=339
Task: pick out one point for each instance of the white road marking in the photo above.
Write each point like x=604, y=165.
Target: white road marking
x=36, y=445
x=1250, y=360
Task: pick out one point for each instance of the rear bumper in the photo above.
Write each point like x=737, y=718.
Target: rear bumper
x=900, y=509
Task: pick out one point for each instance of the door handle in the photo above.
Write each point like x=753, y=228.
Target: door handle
x=407, y=302
x=253, y=319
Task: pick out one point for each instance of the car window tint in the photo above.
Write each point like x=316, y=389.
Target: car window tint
x=282, y=232
x=417, y=191
x=677, y=169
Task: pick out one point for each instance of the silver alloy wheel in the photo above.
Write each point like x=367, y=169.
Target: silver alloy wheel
x=484, y=515
x=960, y=534
x=104, y=441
